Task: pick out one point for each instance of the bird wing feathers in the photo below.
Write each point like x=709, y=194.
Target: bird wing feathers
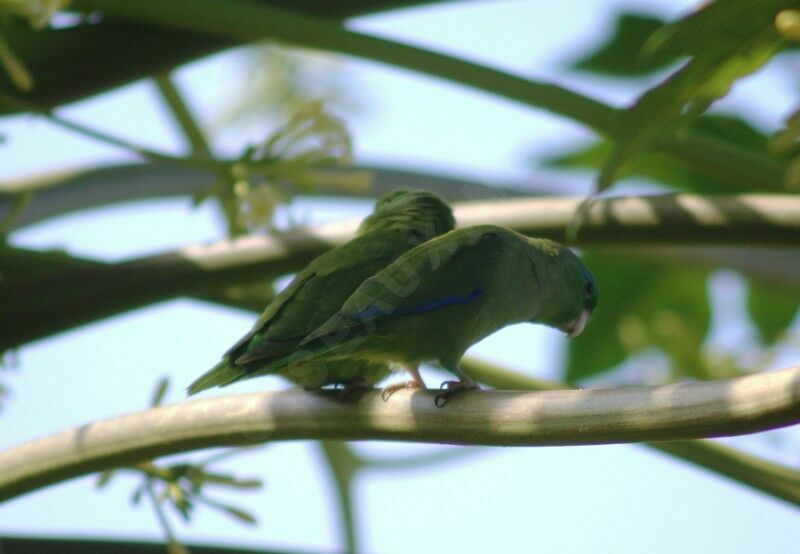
x=314, y=295
x=449, y=270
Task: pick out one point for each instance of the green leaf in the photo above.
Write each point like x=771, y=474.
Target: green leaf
x=771, y=309
x=239, y=514
x=728, y=39
x=160, y=391
x=104, y=477
x=204, y=477
x=672, y=172
x=623, y=53
x=136, y=496
x=643, y=304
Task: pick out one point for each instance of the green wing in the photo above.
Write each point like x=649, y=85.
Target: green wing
x=454, y=269
x=315, y=294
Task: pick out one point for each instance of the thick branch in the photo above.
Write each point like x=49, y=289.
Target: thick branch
x=499, y=418
x=80, y=189
x=762, y=475
x=99, y=291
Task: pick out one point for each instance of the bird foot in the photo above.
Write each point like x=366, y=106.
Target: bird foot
x=449, y=388
x=389, y=390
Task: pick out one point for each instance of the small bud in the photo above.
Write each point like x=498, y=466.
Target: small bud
x=787, y=23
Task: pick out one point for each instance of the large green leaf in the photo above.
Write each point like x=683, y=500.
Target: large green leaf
x=643, y=304
x=727, y=39
x=623, y=54
x=673, y=172
x=772, y=309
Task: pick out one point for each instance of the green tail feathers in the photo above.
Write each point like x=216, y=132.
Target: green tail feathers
x=218, y=376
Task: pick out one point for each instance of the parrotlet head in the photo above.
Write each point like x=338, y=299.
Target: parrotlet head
x=426, y=214
x=571, y=292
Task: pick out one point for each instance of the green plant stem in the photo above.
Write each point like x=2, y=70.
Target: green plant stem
x=343, y=465
x=86, y=131
x=159, y=511
x=183, y=116
x=199, y=146
x=21, y=202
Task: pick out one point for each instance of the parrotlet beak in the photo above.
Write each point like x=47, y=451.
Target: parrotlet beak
x=575, y=328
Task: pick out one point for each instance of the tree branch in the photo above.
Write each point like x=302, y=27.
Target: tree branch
x=98, y=291
x=762, y=475
x=79, y=189
x=248, y=21
x=497, y=418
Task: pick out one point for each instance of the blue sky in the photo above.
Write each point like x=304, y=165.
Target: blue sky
x=576, y=499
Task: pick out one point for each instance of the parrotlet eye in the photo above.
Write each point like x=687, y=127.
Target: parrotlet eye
x=588, y=288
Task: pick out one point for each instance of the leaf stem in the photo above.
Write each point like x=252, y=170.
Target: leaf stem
x=182, y=115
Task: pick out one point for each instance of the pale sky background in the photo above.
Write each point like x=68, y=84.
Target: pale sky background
x=572, y=499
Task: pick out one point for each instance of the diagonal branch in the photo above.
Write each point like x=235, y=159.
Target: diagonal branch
x=498, y=418
x=248, y=21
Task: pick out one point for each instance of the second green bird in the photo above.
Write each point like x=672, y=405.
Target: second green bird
x=401, y=220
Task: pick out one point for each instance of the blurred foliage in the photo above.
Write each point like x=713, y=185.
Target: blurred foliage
x=624, y=54
x=38, y=14
x=300, y=154
x=648, y=306
x=644, y=305
x=771, y=309
x=181, y=485
x=668, y=171
x=277, y=81
x=787, y=140
x=8, y=361
x=725, y=40
x=92, y=54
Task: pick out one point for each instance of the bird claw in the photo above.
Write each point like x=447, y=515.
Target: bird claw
x=389, y=390
x=451, y=387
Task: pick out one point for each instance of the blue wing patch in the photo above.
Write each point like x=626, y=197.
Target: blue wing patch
x=372, y=312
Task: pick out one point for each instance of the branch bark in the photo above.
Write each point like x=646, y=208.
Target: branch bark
x=497, y=418
x=96, y=291
x=69, y=191
x=757, y=473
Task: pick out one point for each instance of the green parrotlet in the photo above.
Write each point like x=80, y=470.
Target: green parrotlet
x=439, y=298
x=401, y=220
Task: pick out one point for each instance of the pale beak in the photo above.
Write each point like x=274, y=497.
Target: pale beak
x=576, y=327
